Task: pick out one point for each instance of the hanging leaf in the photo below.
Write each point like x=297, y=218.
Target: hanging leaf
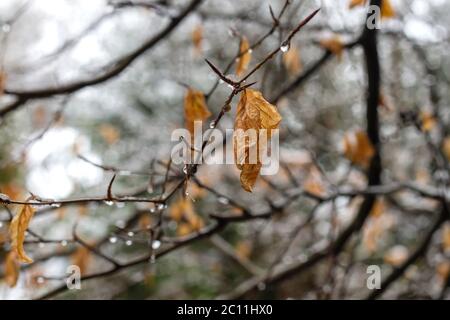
x=12, y=269
x=334, y=44
x=195, y=108
x=446, y=237
x=253, y=112
x=428, y=121
x=358, y=148
x=292, y=61
x=314, y=183
x=183, y=211
x=245, y=55
x=17, y=229
x=197, y=38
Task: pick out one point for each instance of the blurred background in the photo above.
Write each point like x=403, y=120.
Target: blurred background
x=67, y=143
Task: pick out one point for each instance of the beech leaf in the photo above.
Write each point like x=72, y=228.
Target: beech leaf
x=17, y=229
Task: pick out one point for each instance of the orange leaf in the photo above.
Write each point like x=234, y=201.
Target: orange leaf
x=195, y=108
x=356, y=3
x=334, y=45
x=446, y=237
x=12, y=269
x=245, y=55
x=292, y=61
x=197, y=38
x=17, y=229
x=428, y=121
x=387, y=10
x=183, y=210
x=109, y=133
x=253, y=114
x=358, y=148
x=2, y=82
x=81, y=258
x=446, y=147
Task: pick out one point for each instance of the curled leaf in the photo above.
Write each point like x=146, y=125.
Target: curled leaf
x=358, y=148
x=195, y=108
x=17, y=229
x=292, y=61
x=245, y=55
x=12, y=269
x=253, y=114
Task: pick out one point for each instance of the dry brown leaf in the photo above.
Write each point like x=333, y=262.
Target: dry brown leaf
x=244, y=249
x=428, y=121
x=245, y=55
x=2, y=82
x=446, y=237
x=334, y=44
x=109, y=133
x=12, y=269
x=443, y=270
x=387, y=10
x=195, y=108
x=358, y=148
x=81, y=258
x=292, y=61
x=17, y=229
x=356, y=3
x=197, y=38
x=396, y=255
x=183, y=210
x=314, y=183
x=446, y=147
x=253, y=112
x=384, y=103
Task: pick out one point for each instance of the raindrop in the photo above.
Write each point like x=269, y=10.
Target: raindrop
x=212, y=125
x=261, y=286
x=40, y=280
x=186, y=193
x=131, y=234
x=113, y=239
x=1, y=224
x=223, y=200
x=161, y=206
x=55, y=205
x=64, y=243
x=108, y=203
x=156, y=244
x=284, y=48
x=185, y=169
x=128, y=242
x=120, y=224
x=6, y=28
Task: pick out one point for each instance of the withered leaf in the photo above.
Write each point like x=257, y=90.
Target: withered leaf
x=2, y=82
x=109, y=133
x=81, y=258
x=428, y=121
x=292, y=61
x=17, y=229
x=245, y=55
x=12, y=269
x=358, y=148
x=334, y=44
x=183, y=210
x=387, y=10
x=197, y=38
x=253, y=113
x=446, y=147
x=195, y=108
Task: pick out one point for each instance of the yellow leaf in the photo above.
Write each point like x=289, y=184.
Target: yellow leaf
x=292, y=61
x=17, y=229
x=109, y=133
x=197, y=38
x=334, y=45
x=12, y=269
x=387, y=10
x=253, y=114
x=195, y=108
x=356, y=3
x=81, y=258
x=358, y=148
x=396, y=255
x=245, y=55
x=428, y=121
x=446, y=147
